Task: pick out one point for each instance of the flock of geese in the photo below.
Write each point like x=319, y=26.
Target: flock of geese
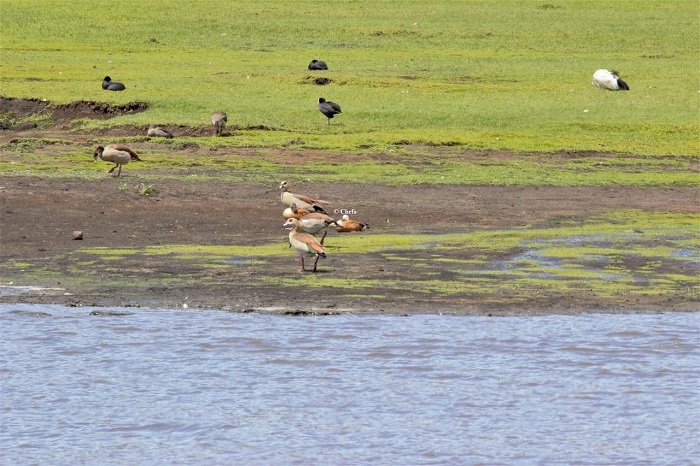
x=306, y=218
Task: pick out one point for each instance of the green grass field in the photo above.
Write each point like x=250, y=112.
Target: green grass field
x=507, y=74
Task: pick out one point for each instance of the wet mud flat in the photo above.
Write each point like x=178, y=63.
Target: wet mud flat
x=430, y=249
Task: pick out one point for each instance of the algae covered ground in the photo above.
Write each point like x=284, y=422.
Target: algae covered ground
x=443, y=248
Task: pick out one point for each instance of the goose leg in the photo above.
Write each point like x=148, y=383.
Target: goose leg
x=316, y=262
x=302, y=264
x=324, y=237
x=112, y=169
x=120, y=171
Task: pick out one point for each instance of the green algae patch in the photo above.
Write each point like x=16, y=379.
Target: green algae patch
x=618, y=257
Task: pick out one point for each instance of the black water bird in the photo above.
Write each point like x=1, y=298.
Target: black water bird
x=109, y=85
x=328, y=108
x=318, y=65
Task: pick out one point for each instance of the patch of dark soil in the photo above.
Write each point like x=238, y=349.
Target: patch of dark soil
x=319, y=81
x=13, y=111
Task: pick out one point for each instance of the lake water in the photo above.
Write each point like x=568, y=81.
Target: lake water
x=217, y=388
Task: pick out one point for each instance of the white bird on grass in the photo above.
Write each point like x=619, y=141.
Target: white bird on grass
x=610, y=80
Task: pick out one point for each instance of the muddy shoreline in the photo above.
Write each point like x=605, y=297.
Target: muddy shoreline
x=39, y=215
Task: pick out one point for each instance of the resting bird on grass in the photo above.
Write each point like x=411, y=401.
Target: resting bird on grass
x=610, y=80
x=328, y=108
x=318, y=65
x=301, y=201
x=346, y=225
x=158, y=132
x=109, y=85
x=219, y=119
x=118, y=154
x=303, y=243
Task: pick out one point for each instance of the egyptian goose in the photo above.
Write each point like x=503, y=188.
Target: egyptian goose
x=219, y=119
x=315, y=223
x=118, y=154
x=610, y=80
x=310, y=222
x=318, y=65
x=158, y=132
x=302, y=202
x=346, y=225
x=109, y=85
x=328, y=108
x=303, y=243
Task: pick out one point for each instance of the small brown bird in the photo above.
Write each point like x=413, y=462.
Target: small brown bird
x=118, y=154
x=346, y=225
x=158, y=132
x=303, y=243
x=219, y=119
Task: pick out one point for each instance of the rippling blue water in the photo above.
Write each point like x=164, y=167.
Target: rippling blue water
x=211, y=387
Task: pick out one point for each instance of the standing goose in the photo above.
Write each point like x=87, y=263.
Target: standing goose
x=610, y=80
x=303, y=243
x=346, y=225
x=301, y=201
x=109, y=85
x=330, y=109
x=158, y=132
x=219, y=119
x=318, y=65
x=118, y=154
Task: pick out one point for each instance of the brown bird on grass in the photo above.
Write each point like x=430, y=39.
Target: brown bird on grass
x=158, y=132
x=118, y=154
x=219, y=119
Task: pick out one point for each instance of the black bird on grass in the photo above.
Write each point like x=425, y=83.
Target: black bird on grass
x=318, y=65
x=109, y=85
x=330, y=109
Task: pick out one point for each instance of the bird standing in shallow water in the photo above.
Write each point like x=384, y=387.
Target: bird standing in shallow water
x=219, y=119
x=109, y=85
x=118, y=154
x=303, y=243
x=328, y=108
x=610, y=80
x=318, y=65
